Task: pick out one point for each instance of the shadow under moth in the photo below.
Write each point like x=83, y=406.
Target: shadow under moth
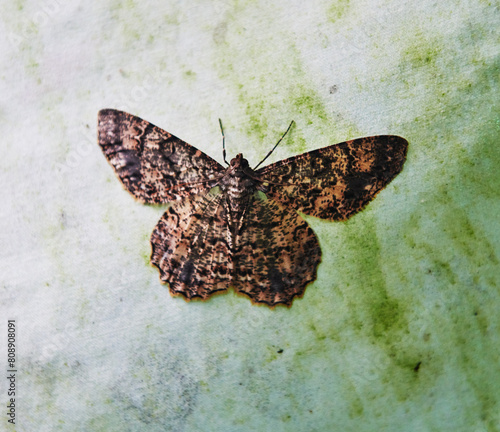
x=237, y=226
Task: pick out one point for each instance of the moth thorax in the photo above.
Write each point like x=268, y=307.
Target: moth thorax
x=237, y=185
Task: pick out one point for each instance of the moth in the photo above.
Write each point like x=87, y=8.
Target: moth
x=237, y=226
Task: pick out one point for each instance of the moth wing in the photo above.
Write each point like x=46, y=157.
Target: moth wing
x=276, y=253
x=191, y=246
x=155, y=166
x=336, y=182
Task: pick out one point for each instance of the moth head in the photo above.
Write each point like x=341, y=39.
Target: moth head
x=238, y=162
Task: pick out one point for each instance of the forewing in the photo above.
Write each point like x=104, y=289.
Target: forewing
x=155, y=166
x=276, y=254
x=191, y=246
x=336, y=182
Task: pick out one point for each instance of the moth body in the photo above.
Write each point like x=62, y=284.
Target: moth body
x=239, y=180
x=238, y=184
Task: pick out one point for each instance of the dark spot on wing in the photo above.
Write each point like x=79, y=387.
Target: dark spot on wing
x=187, y=272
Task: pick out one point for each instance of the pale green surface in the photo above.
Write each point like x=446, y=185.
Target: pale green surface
x=412, y=280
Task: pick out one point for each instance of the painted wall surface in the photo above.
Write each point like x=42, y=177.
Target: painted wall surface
x=400, y=331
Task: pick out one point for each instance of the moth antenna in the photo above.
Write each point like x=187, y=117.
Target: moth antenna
x=276, y=145
x=223, y=142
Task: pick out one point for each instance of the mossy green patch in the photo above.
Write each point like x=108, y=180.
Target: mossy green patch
x=146, y=257
x=272, y=90
x=422, y=53
x=337, y=10
x=299, y=103
x=189, y=74
x=376, y=310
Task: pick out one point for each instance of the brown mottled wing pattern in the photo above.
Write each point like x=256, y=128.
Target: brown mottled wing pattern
x=155, y=166
x=205, y=242
x=336, y=182
x=276, y=254
x=192, y=247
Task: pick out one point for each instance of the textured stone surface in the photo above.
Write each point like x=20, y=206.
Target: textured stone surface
x=400, y=331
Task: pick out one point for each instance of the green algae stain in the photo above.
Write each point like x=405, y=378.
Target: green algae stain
x=387, y=315
x=308, y=104
x=423, y=53
x=337, y=10
x=146, y=257
x=449, y=253
x=356, y=408
x=477, y=168
x=299, y=103
x=19, y=4
x=464, y=188
x=189, y=74
x=109, y=422
x=272, y=89
x=377, y=312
